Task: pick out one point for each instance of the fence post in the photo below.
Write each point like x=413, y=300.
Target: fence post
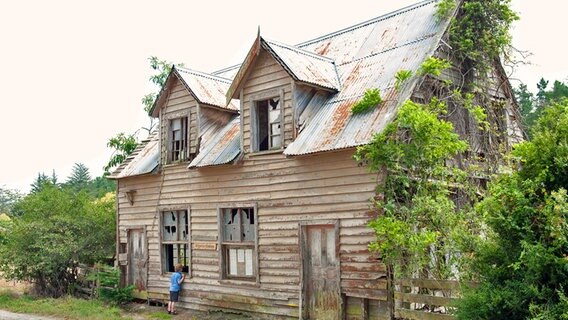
x=390, y=290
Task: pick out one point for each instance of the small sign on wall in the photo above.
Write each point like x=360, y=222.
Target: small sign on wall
x=205, y=246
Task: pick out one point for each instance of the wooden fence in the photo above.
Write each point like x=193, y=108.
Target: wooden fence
x=425, y=299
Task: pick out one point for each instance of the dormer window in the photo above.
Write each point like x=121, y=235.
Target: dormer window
x=269, y=124
x=178, y=140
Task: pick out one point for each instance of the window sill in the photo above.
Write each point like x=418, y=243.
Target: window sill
x=173, y=164
x=239, y=283
x=262, y=153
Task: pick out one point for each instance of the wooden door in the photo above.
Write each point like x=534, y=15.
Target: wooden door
x=321, y=276
x=137, y=259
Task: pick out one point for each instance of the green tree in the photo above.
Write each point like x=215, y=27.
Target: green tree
x=123, y=145
x=42, y=181
x=79, y=178
x=162, y=69
x=532, y=106
x=58, y=230
x=522, y=265
x=8, y=198
x=100, y=186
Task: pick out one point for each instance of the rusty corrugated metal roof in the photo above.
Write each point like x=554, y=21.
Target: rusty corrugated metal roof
x=207, y=88
x=368, y=55
x=144, y=159
x=305, y=66
x=222, y=148
x=364, y=56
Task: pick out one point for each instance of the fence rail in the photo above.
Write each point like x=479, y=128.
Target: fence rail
x=425, y=299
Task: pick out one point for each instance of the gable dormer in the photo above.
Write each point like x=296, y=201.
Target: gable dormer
x=266, y=85
x=187, y=102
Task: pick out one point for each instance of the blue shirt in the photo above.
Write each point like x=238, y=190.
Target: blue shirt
x=174, y=281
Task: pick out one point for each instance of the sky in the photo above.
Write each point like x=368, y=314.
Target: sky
x=73, y=72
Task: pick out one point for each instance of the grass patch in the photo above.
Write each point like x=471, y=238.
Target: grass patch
x=68, y=307
x=160, y=316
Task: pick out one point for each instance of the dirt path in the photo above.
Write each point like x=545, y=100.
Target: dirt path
x=6, y=315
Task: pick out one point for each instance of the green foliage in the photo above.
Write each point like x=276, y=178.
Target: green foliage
x=522, y=264
x=109, y=289
x=43, y=181
x=64, y=308
x=481, y=31
x=162, y=69
x=123, y=145
x=8, y=198
x=57, y=230
x=420, y=227
x=401, y=76
x=79, y=178
x=445, y=8
x=434, y=66
x=370, y=100
x=5, y=226
x=532, y=105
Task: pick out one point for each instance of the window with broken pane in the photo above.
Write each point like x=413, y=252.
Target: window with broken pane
x=238, y=234
x=175, y=239
x=269, y=124
x=178, y=140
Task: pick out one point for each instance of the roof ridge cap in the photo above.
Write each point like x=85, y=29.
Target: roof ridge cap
x=203, y=74
x=300, y=50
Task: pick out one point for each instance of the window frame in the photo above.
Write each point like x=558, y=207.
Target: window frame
x=160, y=212
x=254, y=123
x=224, y=276
x=168, y=119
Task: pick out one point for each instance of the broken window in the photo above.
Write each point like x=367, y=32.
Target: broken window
x=178, y=140
x=175, y=239
x=238, y=235
x=269, y=124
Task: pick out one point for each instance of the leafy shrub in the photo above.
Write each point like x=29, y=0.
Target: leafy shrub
x=109, y=290
x=57, y=230
x=434, y=66
x=371, y=99
x=401, y=76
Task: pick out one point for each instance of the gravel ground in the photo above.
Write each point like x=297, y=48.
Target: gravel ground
x=5, y=315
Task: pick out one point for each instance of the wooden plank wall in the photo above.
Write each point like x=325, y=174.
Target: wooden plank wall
x=326, y=186
x=287, y=191
x=266, y=74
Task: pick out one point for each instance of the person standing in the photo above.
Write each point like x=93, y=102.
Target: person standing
x=175, y=286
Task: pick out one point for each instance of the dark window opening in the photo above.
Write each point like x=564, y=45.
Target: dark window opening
x=175, y=239
x=178, y=146
x=269, y=124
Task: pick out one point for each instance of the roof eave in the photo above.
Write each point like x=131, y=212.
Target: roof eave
x=254, y=51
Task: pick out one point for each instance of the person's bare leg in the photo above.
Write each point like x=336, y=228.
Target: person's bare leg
x=170, y=306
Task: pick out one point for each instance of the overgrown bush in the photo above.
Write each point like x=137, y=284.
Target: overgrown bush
x=523, y=265
x=108, y=285
x=57, y=230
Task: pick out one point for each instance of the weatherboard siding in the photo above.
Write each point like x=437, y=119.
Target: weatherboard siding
x=179, y=103
x=329, y=186
x=266, y=75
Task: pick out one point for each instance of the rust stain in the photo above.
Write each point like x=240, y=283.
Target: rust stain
x=340, y=117
x=323, y=48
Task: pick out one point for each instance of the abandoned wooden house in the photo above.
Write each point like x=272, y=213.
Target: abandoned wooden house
x=250, y=183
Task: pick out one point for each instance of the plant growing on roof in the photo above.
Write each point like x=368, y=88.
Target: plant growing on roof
x=434, y=66
x=401, y=77
x=445, y=8
x=371, y=98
